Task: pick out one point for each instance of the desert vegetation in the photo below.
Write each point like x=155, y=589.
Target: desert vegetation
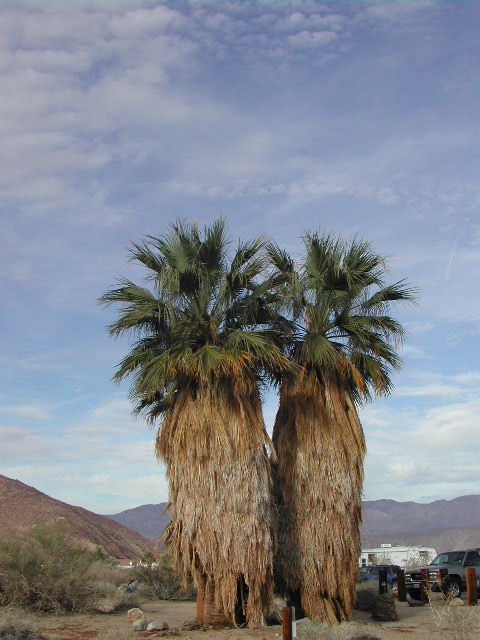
x=211, y=330
x=47, y=573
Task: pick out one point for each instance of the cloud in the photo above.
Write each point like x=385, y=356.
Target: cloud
x=422, y=456
x=464, y=385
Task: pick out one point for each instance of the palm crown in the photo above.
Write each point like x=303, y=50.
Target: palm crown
x=337, y=307
x=208, y=318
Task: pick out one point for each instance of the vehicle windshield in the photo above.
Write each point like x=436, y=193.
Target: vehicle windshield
x=453, y=557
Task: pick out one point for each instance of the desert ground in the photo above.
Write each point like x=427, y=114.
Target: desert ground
x=414, y=622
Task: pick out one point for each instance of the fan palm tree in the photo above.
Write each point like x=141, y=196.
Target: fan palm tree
x=344, y=343
x=203, y=346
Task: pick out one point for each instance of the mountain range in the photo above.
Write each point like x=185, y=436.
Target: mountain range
x=441, y=524
x=22, y=507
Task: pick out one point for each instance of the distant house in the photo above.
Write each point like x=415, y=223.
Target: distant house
x=125, y=563
x=397, y=554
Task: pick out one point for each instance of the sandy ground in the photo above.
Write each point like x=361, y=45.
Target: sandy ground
x=414, y=622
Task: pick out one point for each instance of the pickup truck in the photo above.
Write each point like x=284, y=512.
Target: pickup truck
x=447, y=572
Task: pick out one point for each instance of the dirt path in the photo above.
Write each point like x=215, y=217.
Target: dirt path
x=414, y=622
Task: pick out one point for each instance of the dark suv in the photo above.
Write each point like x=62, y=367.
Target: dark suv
x=447, y=571
x=371, y=573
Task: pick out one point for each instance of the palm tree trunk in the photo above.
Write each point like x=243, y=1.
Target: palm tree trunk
x=200, y=596
x=214, y=613
x=320, y=448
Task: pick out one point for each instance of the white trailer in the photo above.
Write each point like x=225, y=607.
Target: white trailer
x=402, y=555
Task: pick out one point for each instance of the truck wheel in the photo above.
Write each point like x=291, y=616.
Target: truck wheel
x=455, y=587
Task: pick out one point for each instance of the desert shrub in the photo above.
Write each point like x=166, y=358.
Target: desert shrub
x=367, y=594
x=315, y=630
x=158, y=579
x=15, y=626
x=45, y=572
x=450, y=621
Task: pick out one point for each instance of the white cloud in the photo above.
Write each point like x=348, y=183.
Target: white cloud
x=422, y=456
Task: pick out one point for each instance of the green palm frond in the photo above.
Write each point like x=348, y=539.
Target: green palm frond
x=338, y=304
x=209, y=318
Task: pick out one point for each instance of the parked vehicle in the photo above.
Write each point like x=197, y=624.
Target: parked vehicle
x=371, y=573
x=447, y=572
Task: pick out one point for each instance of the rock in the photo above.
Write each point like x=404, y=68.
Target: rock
x=156, y=625
x=171, y=632
x=415, y=603
x=456, y=602
x=193, y=625
x=140, y=624
x=135, y=614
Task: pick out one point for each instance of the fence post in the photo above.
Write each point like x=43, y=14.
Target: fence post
x=402, y=592
x=287, y=623
x=471, y=586
x=382, y=581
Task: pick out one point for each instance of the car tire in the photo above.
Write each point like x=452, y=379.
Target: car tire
x=415, y=594
x=455, y=587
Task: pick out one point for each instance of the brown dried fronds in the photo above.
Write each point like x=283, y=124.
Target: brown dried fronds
x=213, y=443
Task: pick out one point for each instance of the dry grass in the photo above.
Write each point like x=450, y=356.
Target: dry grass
x=315, y=630
x=16, y=625
x=320, y=447
x=450, y=621
x=214, y=445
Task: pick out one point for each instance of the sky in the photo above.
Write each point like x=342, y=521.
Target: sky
x=119, y=117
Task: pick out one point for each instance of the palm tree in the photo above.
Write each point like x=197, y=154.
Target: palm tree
x=344, y=343
x=203, y=347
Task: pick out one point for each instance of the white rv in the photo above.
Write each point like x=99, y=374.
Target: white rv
x=397, y=554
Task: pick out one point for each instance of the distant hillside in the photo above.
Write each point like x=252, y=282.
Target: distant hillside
x=451, y=523
x=389, y=516
x=149, y=519
x=22, y=507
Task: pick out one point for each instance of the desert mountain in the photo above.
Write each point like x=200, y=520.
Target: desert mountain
x=22, y=507
x=149, y=519
x=441, y=524
x=389, y=516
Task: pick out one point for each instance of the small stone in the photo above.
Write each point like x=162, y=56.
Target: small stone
x=171, y=632
x=135, y=614
x=192, y=625
x=277, y=635
x=140, y=624
x=156, y=625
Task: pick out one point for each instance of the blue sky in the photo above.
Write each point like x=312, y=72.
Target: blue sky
x=119, y=117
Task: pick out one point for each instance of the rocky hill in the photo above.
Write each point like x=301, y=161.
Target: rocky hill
x=22, y=507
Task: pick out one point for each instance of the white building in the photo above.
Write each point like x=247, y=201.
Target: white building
x=397, y=554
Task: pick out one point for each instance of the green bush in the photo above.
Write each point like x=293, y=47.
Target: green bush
x=45, y=572
x=367, y=594
x=158, y=579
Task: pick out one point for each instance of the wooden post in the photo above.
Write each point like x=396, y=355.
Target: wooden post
x=402, y=592
x=424, y=585
x=471, y=586
x=382, y=581
x=287, y=623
